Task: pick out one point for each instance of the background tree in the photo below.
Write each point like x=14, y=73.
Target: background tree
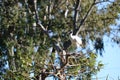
x=35, y=37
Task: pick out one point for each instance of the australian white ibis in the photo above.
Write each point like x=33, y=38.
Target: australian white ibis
x=76, y=39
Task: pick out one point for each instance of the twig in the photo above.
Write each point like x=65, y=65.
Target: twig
x=103, y=1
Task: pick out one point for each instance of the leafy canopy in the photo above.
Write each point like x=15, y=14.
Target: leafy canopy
x=32, y=31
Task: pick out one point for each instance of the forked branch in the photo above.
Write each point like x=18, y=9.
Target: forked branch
x=85, y=17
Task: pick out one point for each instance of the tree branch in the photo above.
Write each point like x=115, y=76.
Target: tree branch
x=33, y=3
x=85, y=17
x=38, y=22
x=76, y=16
x=103, y=1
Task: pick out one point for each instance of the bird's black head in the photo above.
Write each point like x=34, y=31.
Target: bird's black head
x=70, y=32
x=73, y=32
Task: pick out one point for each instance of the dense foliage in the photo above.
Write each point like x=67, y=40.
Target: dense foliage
x=32, y=32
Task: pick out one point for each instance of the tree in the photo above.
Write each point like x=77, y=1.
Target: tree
x=35, y=37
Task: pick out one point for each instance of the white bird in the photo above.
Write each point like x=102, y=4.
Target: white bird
x=75, y=39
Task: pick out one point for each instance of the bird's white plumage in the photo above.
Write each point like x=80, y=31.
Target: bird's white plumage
x=76, y=40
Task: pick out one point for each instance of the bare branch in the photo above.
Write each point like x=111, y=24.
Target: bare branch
x=85, y=17
x=77, y=7
x=88, y=13
x=38, y=22
x=103, y=1
x=42, y=27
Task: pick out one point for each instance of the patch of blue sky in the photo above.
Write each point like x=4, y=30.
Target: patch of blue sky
x=110, y=60
x=104, y=4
